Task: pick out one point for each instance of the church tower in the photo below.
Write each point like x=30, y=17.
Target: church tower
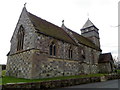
x=90, y=31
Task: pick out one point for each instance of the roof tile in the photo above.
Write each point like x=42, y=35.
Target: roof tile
x=52, y=30
x=88, y=24
x=106, y=57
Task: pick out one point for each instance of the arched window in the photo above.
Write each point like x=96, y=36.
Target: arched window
x=52, y=49
x=20, y=37
x=83, y=54
x=70, y=53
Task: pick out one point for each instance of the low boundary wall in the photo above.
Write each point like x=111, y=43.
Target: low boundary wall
x=60, y=83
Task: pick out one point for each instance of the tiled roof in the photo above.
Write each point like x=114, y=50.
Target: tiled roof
x=106, y=57
x=84, y=40
x=49, y=29
x=52, y=30
x=88, y=24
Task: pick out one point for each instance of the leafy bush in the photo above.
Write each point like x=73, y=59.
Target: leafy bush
x=3, y=72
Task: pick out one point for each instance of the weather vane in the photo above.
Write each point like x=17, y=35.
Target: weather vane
x=88, y=15
x=62, y=21
x=25, y=4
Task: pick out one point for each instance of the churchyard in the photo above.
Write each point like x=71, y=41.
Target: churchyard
x=7, y=80
x=55, y=82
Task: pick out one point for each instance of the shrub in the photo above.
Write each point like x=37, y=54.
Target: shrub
x=3, y=72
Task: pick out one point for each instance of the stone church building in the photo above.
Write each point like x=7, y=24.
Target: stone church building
x=40, y=49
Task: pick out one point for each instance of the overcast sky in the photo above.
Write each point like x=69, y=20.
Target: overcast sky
x=103, y=13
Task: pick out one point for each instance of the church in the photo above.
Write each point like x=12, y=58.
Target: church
x=40, y=49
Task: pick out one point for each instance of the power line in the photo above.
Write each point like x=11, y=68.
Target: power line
x=115, y=26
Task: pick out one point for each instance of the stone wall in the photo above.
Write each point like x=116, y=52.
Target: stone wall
x=90, y=68
x=94, y=68
x=29, y=33
x=105, y=68
x=36, y=64
x=20, y=64
x=90, y=64
x=44, y=67
x=58, y=83
x=42, y=42
x=61, y=65
x=51, y=84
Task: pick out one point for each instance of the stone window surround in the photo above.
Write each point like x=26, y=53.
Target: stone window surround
x=20, y=38
x=70, y=53
x=83, y=53
x=52, y=49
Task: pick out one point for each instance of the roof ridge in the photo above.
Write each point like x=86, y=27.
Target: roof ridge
x=80, y=35
x=106, y=53
x=105, y=57
x=44, y=20
x=49, y=26
x=73, y=32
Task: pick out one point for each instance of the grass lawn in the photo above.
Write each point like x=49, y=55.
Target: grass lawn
x=118, y=71
x=0, y=81
x=6, y=79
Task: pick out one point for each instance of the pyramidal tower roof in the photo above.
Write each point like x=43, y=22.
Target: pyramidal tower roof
x=88, y=24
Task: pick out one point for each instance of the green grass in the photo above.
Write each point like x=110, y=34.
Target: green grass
x=118, y=71
x=6, y=79
x=0, y=81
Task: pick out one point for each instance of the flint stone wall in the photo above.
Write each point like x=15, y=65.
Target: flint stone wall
x=34, y=64
x=55, y=68
x=105, y=68
x=29, y=36
x=20, y=64
x=42, y=42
